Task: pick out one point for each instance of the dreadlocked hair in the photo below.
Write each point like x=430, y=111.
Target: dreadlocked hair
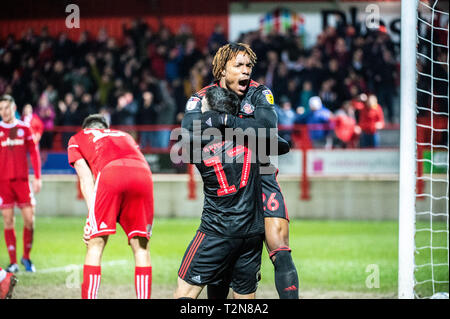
x=226, y=53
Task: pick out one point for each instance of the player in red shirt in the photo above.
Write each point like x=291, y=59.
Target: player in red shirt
x=16, y=141
x=122, y=193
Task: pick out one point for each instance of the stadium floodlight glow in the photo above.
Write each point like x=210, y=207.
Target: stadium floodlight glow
x=424, y=142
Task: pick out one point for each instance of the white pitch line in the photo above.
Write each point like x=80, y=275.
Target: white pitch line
x=73, y=267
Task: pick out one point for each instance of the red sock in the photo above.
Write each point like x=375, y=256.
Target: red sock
x=91, y=281
x=143, y=282
x=27, y=242
x=10, y=241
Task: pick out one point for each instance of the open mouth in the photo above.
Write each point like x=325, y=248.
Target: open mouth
x=243, y=84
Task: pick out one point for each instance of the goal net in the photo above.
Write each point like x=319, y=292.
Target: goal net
x=424, y=146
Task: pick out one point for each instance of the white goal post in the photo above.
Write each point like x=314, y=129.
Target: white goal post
x=423, y=211
x=407, y=175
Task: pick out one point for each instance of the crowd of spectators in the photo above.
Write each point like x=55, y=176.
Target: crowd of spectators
x=345, y=86
x=147, y=77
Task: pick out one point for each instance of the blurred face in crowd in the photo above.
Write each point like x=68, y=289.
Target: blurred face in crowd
x=372, y=101
x=218, y=28
x=122, y=101
x=43, y=100
x=333, y=65
x=68, y=99
x=7, y=110
x=129, y=97
x=340, y=46
x=148, y=97
x=58, y=67
x=27, y=110
x=86, y=98
x=272, y=57
x=287, y=106
x=357, y=56
x=7, y=58
x=307, y=86
x=347, y=106
x=236, y=75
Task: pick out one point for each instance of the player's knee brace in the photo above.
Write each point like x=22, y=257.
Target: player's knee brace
x=286, y=277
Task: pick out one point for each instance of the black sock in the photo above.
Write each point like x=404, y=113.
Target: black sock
x=286, y=278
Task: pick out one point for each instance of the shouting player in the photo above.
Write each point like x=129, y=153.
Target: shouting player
x=16, y=140
x=227, y=247
x=122, y=193
x=232, y=68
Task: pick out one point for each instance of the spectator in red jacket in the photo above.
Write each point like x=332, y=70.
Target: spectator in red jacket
x=345, y=127
x=371, y=120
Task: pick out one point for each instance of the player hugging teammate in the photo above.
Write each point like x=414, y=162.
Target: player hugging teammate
x=226, y=249
x=232, y=67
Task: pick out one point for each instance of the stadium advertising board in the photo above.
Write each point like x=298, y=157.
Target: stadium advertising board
x=341, y=162
x=309, y=18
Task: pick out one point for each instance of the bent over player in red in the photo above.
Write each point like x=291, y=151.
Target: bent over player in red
x=122, y=193
x=16, y=141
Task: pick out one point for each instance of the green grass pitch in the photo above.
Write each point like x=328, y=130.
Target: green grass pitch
x=334, y=259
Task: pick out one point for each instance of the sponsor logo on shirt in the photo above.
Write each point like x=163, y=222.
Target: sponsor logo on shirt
x=12, y=142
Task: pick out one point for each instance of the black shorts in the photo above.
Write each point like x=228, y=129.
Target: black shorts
x=273, y=200
x=234, y=262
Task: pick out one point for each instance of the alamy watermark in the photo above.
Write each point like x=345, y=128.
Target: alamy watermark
x=373, y=16
x=373, y=279
x=73, y=19
x=73, y=277
x=199, y=145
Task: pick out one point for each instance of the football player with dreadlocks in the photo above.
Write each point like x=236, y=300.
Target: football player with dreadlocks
x=232, y=68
